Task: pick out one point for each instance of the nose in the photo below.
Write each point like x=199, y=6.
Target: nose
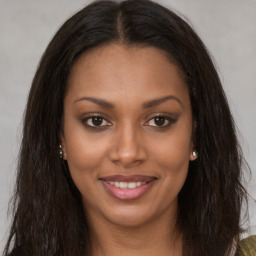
x=128, y=148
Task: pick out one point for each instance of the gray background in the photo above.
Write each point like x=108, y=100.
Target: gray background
x=228, y=28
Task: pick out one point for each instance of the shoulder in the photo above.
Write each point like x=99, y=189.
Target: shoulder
x=248, y=247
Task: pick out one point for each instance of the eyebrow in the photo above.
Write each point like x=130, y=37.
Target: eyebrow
x=158, y=101
x=147, y=104
x=97, y=101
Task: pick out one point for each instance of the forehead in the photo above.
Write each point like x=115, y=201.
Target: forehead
x=115, y=70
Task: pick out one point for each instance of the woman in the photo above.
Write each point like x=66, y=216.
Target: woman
x=129, y=147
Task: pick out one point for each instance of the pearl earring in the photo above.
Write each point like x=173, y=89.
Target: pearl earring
x=60, y=152
x=195, y=153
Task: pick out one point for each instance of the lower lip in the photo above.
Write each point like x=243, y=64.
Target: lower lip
x=127, y=194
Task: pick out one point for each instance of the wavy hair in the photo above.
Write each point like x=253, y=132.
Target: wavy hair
x=48, y=216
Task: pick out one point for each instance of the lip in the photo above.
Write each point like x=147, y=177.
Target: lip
x=128, y=178
x=127, y=193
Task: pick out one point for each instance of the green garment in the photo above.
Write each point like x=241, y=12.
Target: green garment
x=248, y=247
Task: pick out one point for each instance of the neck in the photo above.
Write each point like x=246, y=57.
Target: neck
x=158, y=237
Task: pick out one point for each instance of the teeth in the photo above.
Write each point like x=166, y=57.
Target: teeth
x=132, y=185
x=138, y=183
x=116, y=184
x=125, y=185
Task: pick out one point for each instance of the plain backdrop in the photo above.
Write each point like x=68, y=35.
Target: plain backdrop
x=228, y=28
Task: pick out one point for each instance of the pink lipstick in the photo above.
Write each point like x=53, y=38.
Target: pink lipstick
x=128, y=187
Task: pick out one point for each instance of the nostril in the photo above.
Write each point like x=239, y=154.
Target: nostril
x=127, y=149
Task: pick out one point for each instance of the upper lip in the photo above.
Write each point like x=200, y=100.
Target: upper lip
x=128, y=178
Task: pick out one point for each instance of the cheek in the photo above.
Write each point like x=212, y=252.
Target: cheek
x=85, y=156
x=172, y=156
x=85, y=152
x=173, y=164
x=174, y=149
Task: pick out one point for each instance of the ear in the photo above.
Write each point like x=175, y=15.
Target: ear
x=63, y=145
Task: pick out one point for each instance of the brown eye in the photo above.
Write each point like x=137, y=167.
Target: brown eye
x=161, y=121
x=96, y=121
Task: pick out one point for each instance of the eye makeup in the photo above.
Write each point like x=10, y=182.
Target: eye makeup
x=99, y=122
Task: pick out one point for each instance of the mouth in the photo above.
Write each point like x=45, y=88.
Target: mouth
x=129, y=187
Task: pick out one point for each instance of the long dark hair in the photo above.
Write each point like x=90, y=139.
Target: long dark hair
x=48, y=214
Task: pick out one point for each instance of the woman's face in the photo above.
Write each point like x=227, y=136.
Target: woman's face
x=127, y=133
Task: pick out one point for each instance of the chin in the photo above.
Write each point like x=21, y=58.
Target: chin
x=130, y=216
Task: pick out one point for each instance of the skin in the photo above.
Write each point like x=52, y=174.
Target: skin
x=128, y=142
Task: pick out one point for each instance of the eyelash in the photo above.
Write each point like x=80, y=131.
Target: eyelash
x=170, y=121
x=101, y=127
x=95, y=127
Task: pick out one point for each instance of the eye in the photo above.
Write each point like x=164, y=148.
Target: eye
x=96, y=121
x=160, y=121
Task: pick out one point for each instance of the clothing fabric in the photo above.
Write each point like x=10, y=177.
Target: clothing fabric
x=247, y=247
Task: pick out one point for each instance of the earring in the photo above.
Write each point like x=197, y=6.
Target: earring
x=195, y=153
x=60, y=152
